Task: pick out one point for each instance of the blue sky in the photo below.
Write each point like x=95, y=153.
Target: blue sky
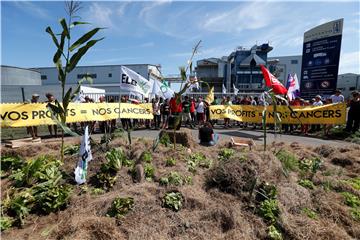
x=164, y=32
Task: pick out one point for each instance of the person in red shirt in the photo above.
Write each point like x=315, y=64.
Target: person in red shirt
x=192, y=109
x=176, y=109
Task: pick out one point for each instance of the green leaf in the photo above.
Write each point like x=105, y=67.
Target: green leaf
x=67, y=98
x=84, y=38
x=183, y=73
x=73, y=24
x=60, y=48
x=77, y=56
x=65, y=28
x=48, y=30
x=61, y=76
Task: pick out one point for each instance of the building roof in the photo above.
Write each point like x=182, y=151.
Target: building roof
x=258, y=60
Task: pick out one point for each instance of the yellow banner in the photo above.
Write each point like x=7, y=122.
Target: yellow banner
x=327, y=114
x=32, y=114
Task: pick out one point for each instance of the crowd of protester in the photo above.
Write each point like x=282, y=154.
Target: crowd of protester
x=194, y=113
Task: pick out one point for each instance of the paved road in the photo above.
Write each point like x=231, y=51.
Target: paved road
x=256, y=135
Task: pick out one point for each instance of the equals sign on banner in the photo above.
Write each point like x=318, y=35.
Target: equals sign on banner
x=83, y=111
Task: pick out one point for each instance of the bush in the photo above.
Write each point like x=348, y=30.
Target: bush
x=120, y=207
x=5, y=222
x=173, y=200
x=226, y=154
x=306, y=183
x=170, y=162
x=351, y=200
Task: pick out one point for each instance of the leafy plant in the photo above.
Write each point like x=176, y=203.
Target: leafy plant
x=52, y=198
x=97, y=191
x=175, y=179
x=165, y=140
x=351, y=200
x=173, y=200
x=266, y=191
x=310, y=213
x=269, y=210
x=197, y=160
x=226, y=154
x=306, y=183
x=146, y=157
x=188, y=180
x=11, y=163
x=71, y=149
x=120, y=207
x=5, y=222
x=288, y=161
x=164, y=181
x=273, y=233
x=106, y=180
x=115, y=158
x=353, y=182
x=355, y=214
x=20, y=205
x=64, y=53
x=170, y=162
x=149, y=171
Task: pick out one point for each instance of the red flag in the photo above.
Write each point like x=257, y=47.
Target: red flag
x=272, y=82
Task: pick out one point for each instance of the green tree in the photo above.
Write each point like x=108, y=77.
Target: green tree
x=66, y=57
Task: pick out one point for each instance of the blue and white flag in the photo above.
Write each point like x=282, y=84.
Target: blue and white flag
x=223, y=89
x=293, y=87
x=236, y=90
x=85, y=158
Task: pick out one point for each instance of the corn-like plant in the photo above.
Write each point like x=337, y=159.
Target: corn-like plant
x=66, y=59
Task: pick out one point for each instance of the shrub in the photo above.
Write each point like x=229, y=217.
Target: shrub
x=173, y=200
x=5, y=222
x=306, y=183
x=310, y=213
x=11, y=163
x=273, y=233
x=175, y=179
x=120, y=207
x=170, y=162
x=351, y=200
x=71, y=149
x=269, y=210
x=226, y=154
x=149, y=171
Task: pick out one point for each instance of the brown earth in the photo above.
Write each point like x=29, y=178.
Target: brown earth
x=224, y=210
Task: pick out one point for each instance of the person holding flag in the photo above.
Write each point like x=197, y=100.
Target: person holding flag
x=272, y=82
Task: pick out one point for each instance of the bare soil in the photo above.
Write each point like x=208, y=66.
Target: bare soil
x=225, y=210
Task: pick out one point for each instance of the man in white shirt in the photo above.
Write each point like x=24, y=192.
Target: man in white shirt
x=337, y=97
x=318, y=101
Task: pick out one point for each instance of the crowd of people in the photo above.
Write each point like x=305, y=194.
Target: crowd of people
x=194, y=113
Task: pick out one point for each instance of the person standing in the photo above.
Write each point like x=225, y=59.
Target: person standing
x=200, y=111
x=165, y=113
x=227, y=120
x=337, y=97
x=192, y=110
x=156, y=112
x=33, y=130
x=51, y=99
x=353, y=119
x=317, y=103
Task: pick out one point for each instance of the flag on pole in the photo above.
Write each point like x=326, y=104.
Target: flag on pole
x=271, y=81
x=85, y=158
x=293, y=87
x=236, y=91
x=223, y=89
x=133, y=82
x=210, y=97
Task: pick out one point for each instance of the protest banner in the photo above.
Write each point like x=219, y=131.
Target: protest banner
x=33, y=114
x=327, y=114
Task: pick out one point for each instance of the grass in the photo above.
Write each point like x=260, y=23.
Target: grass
x=353, y=182
x=310, y=213
x=351, y=200
x=306, y=183
x=288, y=161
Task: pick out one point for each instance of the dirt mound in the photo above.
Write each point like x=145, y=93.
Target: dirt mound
x=183, y=137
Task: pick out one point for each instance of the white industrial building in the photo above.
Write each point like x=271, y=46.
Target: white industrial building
x=15, y=81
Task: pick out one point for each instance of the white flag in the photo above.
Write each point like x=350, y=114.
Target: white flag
x=161, y=89
x=85, y=158
x=134, y=82
x=236, y=91
x=223, y=89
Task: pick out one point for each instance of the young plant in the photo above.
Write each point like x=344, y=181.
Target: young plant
x=97, y=191
x=65, y=54
x=306, y=184
x=353, y=182
x=149, y=171
x=288, y=161
x=274, y=233
x=120, y=207
x=269, y=210
x=11, y=163
x=165, y=140
x=175, y=179
x=5, y=222
x=355, y=214
x=310, y=213
x=226, y=154
x=173, y=201
x=170, y=162
x=351, y=200
x=115, y=159
x=52, y=198
x=71, y=150
x=146, y=157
